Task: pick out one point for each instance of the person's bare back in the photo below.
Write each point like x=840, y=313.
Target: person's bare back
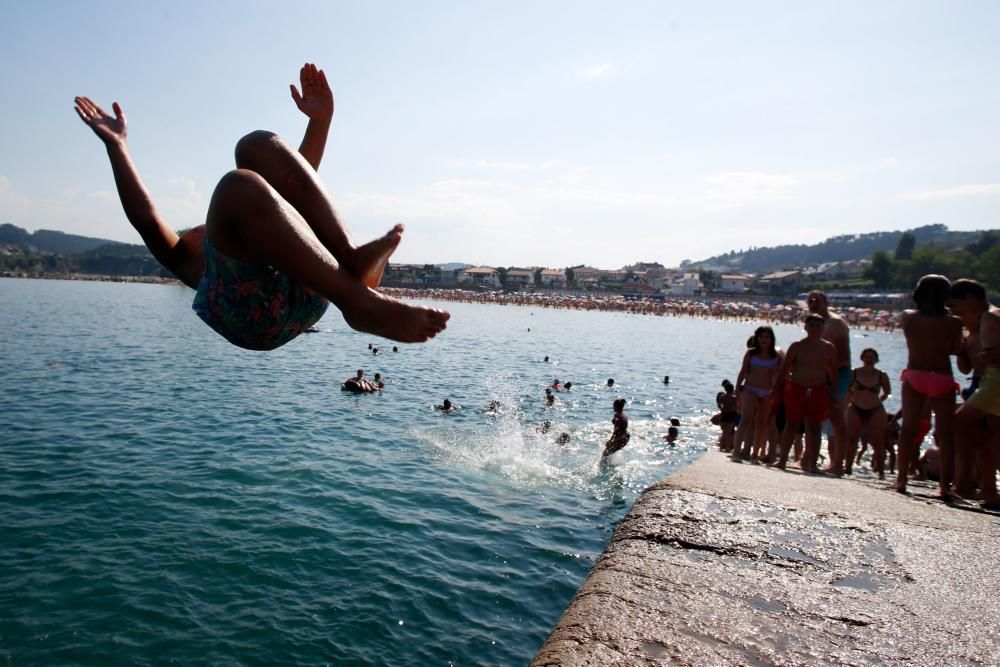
x=931, y=340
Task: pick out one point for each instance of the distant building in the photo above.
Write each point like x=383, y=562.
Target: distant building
x=586, y=275
x=478, y=275
x=688, y=284
x=780, y=283
x=520, y=278
x=554, y=278
x=734, y=283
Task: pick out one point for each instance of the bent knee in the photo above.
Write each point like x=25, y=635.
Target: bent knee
x=238, y=191
x=253, y=146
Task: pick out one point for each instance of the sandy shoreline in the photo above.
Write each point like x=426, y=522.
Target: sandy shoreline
x=711, y=307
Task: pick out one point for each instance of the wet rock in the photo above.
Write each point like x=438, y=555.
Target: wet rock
x=739, y=565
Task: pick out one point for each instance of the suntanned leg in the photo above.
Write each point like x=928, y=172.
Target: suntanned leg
x=988, y=465
x=295, y=180
x=809, y=458
x=250, y=221
x=944, y=434
x=913, y=409
x=969, y=435
x=837, y=442
x=745, y=432
x=854, y=427
x=876, y=436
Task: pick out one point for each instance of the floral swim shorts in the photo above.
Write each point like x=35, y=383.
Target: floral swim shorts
x=253, y=305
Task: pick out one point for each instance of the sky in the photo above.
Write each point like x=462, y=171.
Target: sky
x=542, y=133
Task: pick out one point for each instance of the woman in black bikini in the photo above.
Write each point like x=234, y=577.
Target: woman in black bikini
x=865, y=412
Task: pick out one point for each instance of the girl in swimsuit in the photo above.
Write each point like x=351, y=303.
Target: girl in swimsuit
x=869, y=388
x=755, y=380
x=932, y=337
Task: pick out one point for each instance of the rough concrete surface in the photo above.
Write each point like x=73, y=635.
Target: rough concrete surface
x=727, y=564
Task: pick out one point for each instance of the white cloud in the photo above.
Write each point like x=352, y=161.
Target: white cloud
x=972, y=190
x=597, y=71
x=742, y=188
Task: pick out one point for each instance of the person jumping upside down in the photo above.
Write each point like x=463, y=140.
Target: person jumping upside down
x=273, y=250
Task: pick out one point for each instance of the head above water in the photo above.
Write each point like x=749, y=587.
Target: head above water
x=361, y=373
x=931, y=295
x=611, y=382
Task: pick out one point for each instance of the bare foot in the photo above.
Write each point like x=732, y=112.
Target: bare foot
x=384, y=316
x=899, y=487
x=371, y=259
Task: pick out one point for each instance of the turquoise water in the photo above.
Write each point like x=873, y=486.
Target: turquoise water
x=165, y=496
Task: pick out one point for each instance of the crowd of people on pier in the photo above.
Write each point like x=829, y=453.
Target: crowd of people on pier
x=781, y=400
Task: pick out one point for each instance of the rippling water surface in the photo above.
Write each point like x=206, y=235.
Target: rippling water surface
x=165, y=496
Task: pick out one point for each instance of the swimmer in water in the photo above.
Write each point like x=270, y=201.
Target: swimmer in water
x=446, y=406
x=359, y=384
x=273, y=252
x=620, y=435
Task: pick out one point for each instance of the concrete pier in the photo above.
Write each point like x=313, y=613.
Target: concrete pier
x=728, y=564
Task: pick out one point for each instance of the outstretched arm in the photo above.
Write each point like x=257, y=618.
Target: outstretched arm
x=161, y=240
x=316, y=102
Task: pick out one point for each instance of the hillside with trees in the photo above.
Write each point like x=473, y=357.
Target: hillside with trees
x=835, y=249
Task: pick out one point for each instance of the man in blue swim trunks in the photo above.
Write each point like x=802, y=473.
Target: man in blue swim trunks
x=273, y=250
x=836, y=331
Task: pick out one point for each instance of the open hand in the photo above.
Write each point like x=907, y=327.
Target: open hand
x=316, y=100
x=109, y=129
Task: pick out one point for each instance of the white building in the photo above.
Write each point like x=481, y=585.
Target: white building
x=686, y=285
x=554, y=278
x=734, y=283
x=479, y=275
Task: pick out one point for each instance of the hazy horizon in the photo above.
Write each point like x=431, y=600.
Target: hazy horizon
x=553, y=134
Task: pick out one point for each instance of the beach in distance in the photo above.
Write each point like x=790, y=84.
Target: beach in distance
x=168, y=496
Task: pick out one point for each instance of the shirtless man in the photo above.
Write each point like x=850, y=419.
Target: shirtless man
x=932, y=337
x=812, y=363
x=359, y=384
x=273, y=250
x=977, y=422
x=836, y=331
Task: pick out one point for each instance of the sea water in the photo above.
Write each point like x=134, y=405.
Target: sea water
x=167, y=497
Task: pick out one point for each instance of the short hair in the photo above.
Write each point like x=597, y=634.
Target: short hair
x=815, y=317
x=619, y=404
x=964, y=287
x=867, y=350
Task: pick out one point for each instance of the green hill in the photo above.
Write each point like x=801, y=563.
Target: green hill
x=834, y=249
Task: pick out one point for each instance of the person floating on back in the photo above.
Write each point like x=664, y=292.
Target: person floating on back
x=273, y=251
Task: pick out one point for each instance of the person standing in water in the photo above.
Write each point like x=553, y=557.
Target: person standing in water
x=273, y=251
x=620, y=435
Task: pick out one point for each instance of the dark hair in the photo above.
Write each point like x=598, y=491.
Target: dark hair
x=672, y=430
x=773, y=352
x=726, y=384
x=931, y=295
x=619, y=404
x=866, y=351
x=814, y=317
x=751, y=342
x=964, y=287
